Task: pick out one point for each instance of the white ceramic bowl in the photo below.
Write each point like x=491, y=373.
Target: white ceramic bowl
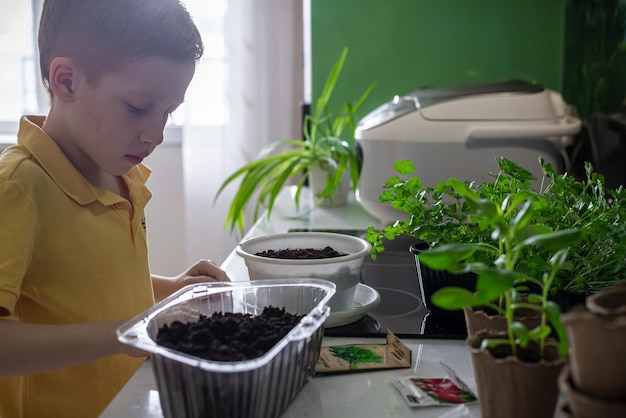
x=343, y=271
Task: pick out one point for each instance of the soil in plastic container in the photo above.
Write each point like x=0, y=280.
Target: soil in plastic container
x=229, y=336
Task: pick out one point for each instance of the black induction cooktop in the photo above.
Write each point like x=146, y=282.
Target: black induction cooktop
x=401, y=310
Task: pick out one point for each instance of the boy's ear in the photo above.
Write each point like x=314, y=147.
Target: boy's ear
x=62, y=78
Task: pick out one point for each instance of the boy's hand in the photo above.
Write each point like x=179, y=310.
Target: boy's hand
x=201, y=272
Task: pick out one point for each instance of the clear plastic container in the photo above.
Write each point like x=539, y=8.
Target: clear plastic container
x=262, y=387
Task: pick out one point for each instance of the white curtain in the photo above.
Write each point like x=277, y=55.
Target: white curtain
x=264, y=87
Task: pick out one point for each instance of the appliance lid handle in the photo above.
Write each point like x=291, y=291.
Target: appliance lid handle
x=495, y=132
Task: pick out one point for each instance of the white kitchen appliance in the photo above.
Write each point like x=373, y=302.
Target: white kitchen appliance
x=459, y=132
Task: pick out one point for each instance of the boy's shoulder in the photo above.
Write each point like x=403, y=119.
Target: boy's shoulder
x=24, y=163
x=17, y=165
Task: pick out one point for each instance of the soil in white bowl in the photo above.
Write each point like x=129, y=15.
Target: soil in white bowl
x=301, y=253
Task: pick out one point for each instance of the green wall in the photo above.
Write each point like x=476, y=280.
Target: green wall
x=403, y=45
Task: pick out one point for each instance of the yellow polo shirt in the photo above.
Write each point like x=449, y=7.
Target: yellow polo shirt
x=69, y=252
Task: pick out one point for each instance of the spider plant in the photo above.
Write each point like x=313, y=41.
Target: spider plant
x=328, y=143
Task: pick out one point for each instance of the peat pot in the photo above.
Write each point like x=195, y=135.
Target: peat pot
x=582, y=405
x=609, y=302
x=477, y=319
x=597, y=338
x=512, y=388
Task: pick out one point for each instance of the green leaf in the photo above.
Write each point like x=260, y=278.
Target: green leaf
x=554, y=240
x=540, y=332
x=522, y=336
x=559, y=259
x=553, y=313
x=447, y=257
x=522, y=217
x=453, y=298
x=404, y=167
x=463, y=189
x=493, y=342
x=493, y=283
x=488, y=210
x=329, y=85
x=534, y=298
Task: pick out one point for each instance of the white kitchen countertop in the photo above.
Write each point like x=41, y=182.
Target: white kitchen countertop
x=357, y=395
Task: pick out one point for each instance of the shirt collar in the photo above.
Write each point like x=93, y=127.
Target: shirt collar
x=60, y=169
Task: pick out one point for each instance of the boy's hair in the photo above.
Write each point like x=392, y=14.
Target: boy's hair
x=105, y=35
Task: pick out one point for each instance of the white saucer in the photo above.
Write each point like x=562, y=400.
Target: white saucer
x=365, y=299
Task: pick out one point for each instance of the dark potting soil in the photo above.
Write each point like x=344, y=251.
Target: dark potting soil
x=301, y=253
x=229, y=336
x=528, y=354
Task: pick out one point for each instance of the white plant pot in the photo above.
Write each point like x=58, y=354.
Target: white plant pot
x=318, y=177
x=343, y=271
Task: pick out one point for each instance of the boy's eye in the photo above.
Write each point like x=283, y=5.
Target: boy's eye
x=136, y=109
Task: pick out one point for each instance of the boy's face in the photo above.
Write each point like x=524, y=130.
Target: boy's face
x=118, y=120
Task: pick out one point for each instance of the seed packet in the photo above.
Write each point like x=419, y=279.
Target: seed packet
x=435, y=391
x=364, y=357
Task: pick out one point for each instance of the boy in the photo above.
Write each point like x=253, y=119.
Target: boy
x=73, y=253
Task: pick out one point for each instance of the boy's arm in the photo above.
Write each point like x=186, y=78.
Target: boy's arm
x=33, y=348
x=202, y=271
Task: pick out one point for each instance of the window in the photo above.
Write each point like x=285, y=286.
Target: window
x=206, y=96
x=23, y=93
x=18, y=66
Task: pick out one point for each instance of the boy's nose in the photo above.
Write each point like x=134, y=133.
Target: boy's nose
x=152, y=136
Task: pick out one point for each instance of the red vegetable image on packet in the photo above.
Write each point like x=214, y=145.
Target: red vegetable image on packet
x=439, y=391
